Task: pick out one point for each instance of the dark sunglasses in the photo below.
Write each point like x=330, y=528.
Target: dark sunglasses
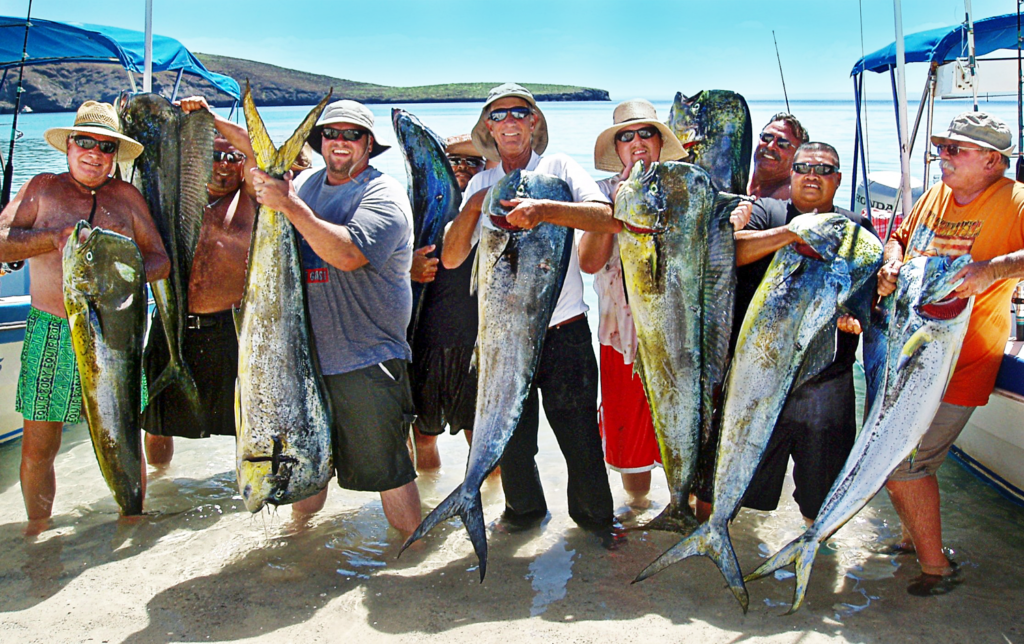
x=332, y=134
x=644, y=132
x=88, y=143
x=768, y=137
x=230, y=157
x=469, y=162
x=518, y=113
x=952, y=149
x=820, y=169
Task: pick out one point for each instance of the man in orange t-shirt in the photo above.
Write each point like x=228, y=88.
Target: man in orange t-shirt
x=976, y=210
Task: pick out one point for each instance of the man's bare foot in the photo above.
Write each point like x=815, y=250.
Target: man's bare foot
x=35, y=527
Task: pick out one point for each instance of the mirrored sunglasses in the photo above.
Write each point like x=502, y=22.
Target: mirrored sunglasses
x=469, y=162
x=768, y=137
x=820, y=169
x=332, y=134
x=518, y=113
x=229, y=157
x=644, y=132
x=952, y=149
x=88, y=143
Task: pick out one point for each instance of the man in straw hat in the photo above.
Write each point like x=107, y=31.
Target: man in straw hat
x=36, y=226
x=630, y=445
x=512, y=131
x=356, y=228
x=976, y=210
x=443, y=378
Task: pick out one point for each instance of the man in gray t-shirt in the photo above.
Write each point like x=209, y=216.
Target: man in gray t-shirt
x=356, y=228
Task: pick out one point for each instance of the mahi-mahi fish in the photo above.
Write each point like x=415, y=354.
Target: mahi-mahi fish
x=787, y=337
x=519, y=276
x=282, y=417
x=714, y=127
x=105, y=299
x=172, y=172
x=433, y=190
x=679, y=266
x=925, y=328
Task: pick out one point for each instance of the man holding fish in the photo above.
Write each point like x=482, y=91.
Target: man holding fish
x=975, y=210
x=36, y=225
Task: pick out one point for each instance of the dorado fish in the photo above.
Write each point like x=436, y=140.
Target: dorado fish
x=433, y=191
x=679, y=266
x=925, y=328
x=714, y=127
x=105, y=298
x=787, y=337
x=172, y=172
x=283, y=448
x=519, y=275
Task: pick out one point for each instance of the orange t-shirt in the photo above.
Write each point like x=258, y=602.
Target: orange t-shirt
x=990, y=226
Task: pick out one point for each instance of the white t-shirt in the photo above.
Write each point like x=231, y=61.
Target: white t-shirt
x=584, y=188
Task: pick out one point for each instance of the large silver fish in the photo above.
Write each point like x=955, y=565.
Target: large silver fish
x=519, y=276
x=105, y=298
x=679, y=264
x=714, y=127
x=282, y=419
x=787, y=337
x=172, y=172
x=925, y=329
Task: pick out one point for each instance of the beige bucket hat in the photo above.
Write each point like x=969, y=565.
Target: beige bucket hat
x=482, y=138
x=345, y=111
x=981, y=129
x=461, y=145
x=634, y=112
x=96, y=118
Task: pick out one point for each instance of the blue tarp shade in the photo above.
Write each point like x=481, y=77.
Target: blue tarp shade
x=945, y=44
x=50, y=42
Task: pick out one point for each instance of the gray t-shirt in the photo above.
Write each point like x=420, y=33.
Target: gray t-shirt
x=359, y=317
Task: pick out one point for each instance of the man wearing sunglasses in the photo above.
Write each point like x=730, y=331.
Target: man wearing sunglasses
x=215, y=286
x=35, y=226
x=818, y=424
x=773, y=156
x=513, y=132
x=356, y=229
x=977, y=210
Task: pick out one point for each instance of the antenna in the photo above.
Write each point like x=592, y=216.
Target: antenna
x=781, y=75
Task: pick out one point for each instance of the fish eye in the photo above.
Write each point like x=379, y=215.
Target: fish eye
x=654, y=187
x=696, y=107
x=88, y=256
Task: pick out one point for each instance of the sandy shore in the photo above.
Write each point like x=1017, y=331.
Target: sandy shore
x=199, y=568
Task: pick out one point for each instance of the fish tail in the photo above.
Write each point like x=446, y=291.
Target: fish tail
x=673, y=518
x=270, y=159
x=801, y=552
x=178, y=374
x=470, y=510
x=712, y=541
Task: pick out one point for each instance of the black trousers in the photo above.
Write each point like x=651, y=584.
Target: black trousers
x=567, y=378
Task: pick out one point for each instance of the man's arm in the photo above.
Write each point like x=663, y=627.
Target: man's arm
x=979, y=276
x=147, y=237
x=752, y=245
x=590, y=216
x=235, y=134
x=595, y=249
x=18, y=240
x=458, y=235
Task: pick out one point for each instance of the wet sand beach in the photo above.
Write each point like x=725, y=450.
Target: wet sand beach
x=199, y=568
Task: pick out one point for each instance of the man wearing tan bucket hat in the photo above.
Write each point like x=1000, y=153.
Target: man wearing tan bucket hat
x=35, y=226
x=976, y=210
x=512, y=131
x=630, y=445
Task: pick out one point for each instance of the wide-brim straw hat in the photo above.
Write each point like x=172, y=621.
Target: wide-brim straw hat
x=630, y=113
x=482, y=138
x=981, y=129
x=461, y=145
x=96, y=118
x=345, y=111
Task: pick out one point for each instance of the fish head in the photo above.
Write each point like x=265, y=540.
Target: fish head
x=507, y=188
x=640, y=202
x=822, y=235
x=936, y=300
x=686, y=119
x=143, y=114
x=99, y=262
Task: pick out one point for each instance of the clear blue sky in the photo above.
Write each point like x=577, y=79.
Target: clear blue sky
x=651, y=51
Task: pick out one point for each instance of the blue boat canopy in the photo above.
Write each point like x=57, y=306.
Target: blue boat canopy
x=50, y=41
x=945, y=45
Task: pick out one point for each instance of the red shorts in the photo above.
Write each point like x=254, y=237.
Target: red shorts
x=627, y=430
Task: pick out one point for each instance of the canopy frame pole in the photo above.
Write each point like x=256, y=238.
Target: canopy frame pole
x=972, y=60
x=933, y=84
x=1020, y=103
x=5, y=193
x=858, y=91
x=900, y=94
x=147, y=75
x=177, y=82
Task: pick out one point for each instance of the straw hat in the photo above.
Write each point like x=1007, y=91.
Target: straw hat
x=482, y=138
x=95, y=118
x=345, y=111
x=461, y=145
x=634, y=112
x=980, y=129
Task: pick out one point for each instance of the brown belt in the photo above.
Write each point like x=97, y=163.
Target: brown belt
x=575, y=318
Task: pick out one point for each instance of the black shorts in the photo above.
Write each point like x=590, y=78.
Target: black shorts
x=373, y=414
x=817, y=427
x=211, y=352
x=444, y=389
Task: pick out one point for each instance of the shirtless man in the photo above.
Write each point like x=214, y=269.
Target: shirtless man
x=773, y=157
x=36, y=225
x=216, y=284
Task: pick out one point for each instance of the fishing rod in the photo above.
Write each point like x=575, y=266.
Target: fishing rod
x=1020, y=104
x=781, y=75
x=5, y=197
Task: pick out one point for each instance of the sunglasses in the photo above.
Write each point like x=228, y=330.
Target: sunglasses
x=820, y=169
x=518, y=113
x=952, y=149
x=88, y=143
x=469, y=162
x=230, y=157
x=768, y=137
x=644, y=133
x=332, y=134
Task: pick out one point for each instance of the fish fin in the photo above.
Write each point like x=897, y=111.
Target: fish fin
x=673, y=519
x=712, y=541
x=262, y=145
x=238, y=409
x=638, y=366
x=236, y=318
x=876, y=345
x=799, y=551
x=819, y=354
x=288, y=152
x=718, y=303
x=469, y=508
x=474, y=274
x=917, y=342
